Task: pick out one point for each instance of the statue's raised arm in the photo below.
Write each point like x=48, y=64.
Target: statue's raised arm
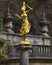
x=29, y=9
x=18, y=16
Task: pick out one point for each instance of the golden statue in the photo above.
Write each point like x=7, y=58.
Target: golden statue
x=25, y=23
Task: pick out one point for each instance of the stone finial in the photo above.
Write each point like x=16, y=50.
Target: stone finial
x=7, y=21
x=44, y=25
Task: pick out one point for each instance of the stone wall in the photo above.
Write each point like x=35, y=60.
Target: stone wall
x=36, y=63
x=33, y=39
x=40, y=63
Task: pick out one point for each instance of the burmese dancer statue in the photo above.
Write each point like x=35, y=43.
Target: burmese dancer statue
x=25, y=28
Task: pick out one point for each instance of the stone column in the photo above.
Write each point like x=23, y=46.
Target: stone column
x=24, y=54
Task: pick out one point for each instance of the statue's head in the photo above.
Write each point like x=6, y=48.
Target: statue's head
x=23, y=8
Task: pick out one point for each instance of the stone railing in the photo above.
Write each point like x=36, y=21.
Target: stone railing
x=37, y=52
x=41, y=47
x=42, y=51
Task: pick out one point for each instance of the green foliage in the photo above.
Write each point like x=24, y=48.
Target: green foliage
x=3, y=57
x=1, y=15
x=3, y=44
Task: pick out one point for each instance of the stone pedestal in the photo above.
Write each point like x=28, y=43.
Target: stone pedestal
x=24, y=55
